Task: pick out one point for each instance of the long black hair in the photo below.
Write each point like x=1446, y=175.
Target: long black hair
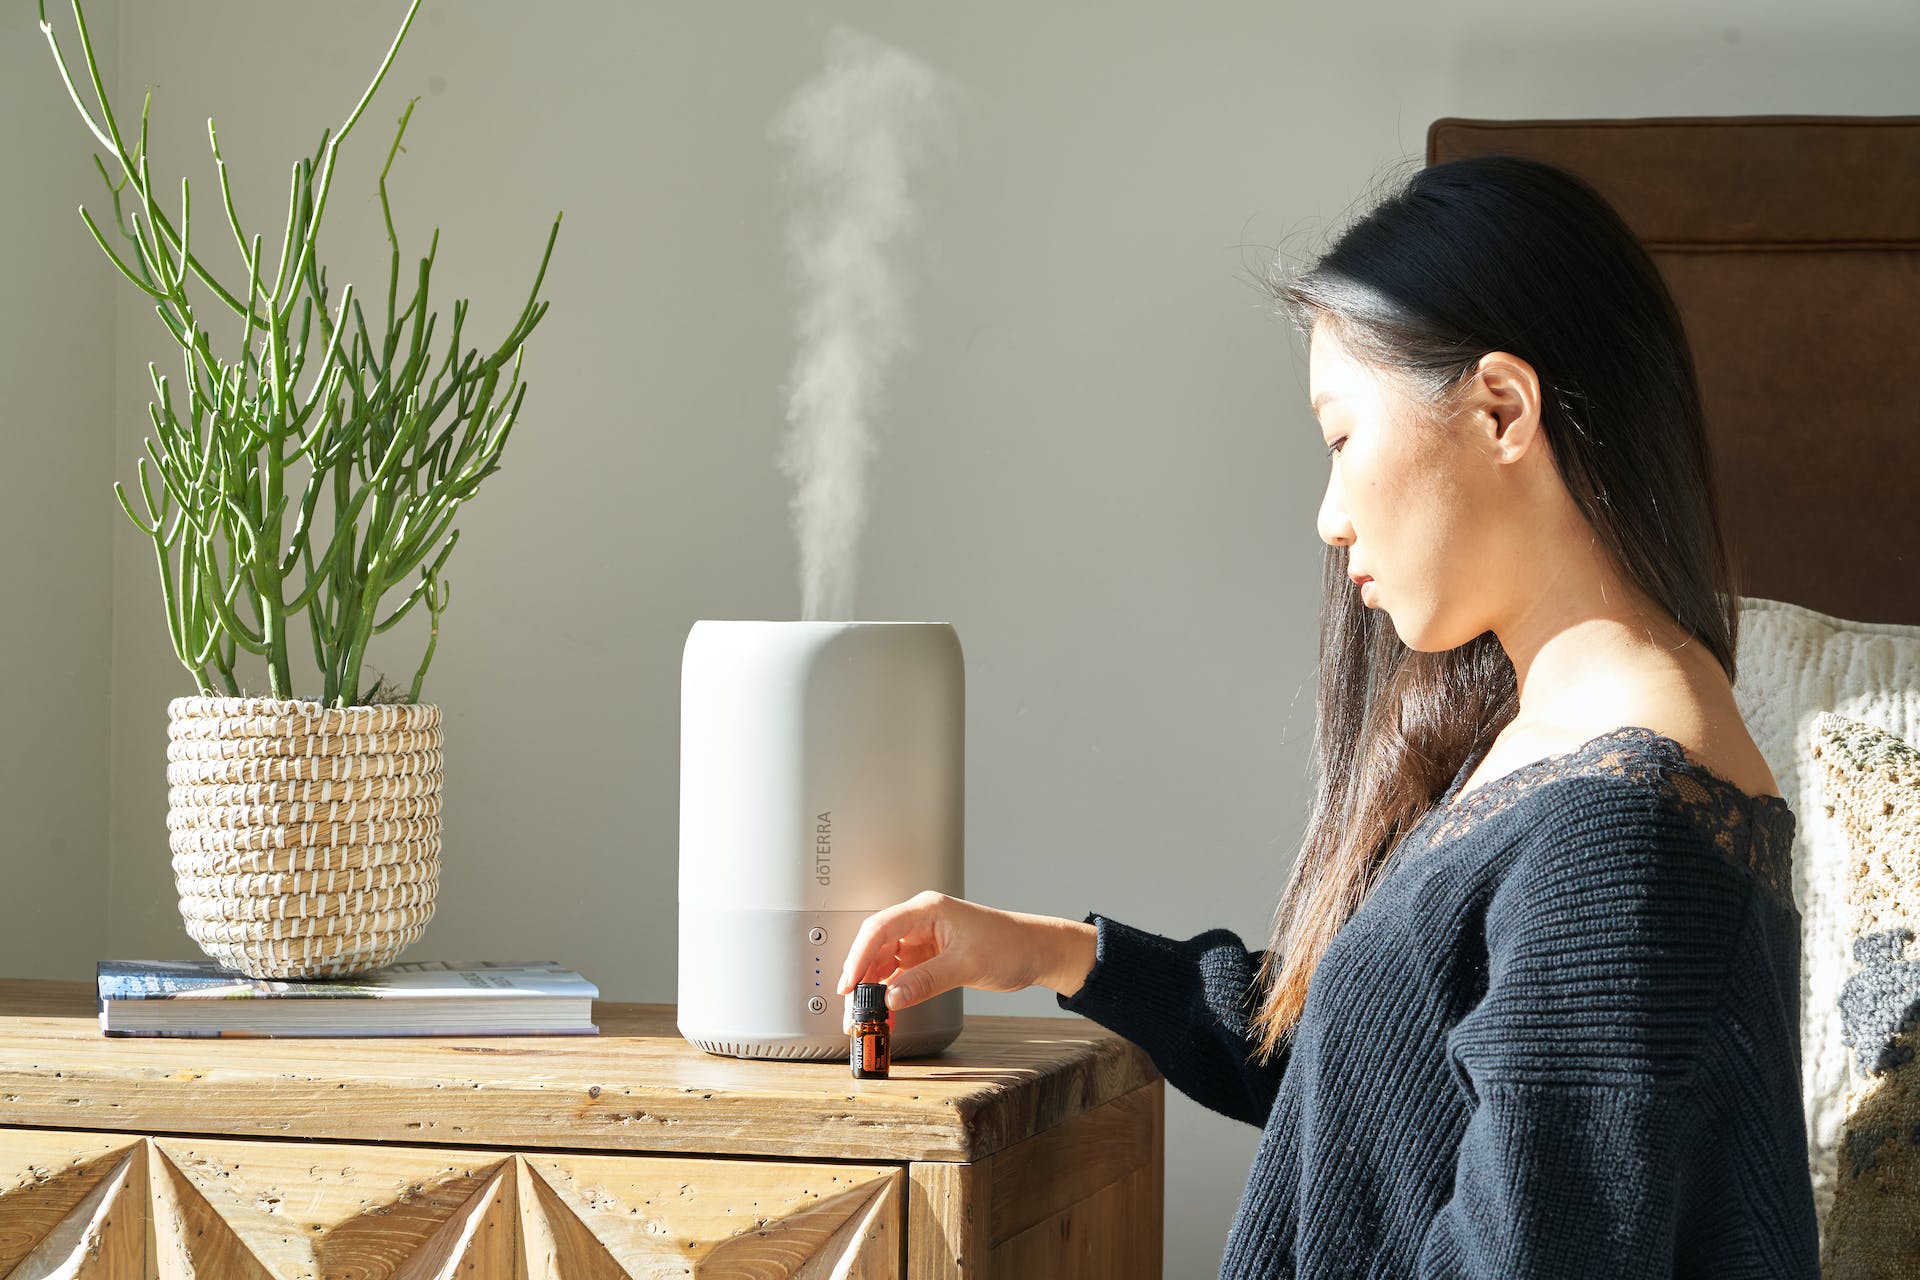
x=1488, y=253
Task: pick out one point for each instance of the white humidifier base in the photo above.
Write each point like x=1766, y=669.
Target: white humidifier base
x=770, y=992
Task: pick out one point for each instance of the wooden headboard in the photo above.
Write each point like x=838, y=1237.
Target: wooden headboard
x=1792, y=247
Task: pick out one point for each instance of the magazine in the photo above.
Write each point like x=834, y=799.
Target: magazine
x=416, y=998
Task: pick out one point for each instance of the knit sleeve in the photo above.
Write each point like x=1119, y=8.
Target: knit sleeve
x=1188, y=1004
x=1608, y=943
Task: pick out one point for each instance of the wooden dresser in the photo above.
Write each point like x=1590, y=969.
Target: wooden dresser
x=1031, y=1148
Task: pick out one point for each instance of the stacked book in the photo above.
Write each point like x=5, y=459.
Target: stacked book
x=423, y=998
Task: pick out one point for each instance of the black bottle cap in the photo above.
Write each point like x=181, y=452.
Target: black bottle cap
x=870, y=1002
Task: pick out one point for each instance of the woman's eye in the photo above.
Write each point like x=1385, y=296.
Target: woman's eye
x=1335, y=446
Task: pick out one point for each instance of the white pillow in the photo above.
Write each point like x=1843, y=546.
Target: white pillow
x=1794, y=664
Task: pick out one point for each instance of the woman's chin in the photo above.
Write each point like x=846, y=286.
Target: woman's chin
x=1421, y=635
x=1431, y=638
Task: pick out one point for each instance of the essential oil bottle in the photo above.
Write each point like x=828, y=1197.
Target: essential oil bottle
x=872, y=1049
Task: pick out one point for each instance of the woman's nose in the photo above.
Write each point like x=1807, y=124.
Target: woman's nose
x=1335, y=529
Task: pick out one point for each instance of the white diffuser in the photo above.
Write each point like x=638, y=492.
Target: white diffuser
x=821, y=779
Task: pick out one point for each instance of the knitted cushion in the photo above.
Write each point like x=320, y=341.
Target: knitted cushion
x=1872, y=783
x=1795, y=664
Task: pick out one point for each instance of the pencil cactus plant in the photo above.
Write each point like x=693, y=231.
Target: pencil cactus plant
x=314, y=407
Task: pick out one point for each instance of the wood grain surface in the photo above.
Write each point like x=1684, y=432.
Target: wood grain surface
x=638, y=1086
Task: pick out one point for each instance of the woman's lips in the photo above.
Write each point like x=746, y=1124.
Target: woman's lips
x=1365, y=584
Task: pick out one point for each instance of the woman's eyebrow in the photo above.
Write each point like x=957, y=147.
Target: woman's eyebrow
x=1322, y=398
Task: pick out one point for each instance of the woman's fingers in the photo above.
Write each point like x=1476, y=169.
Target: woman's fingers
x=883, y=937
x=930, y=974
x=921, y=982
x=909, y=952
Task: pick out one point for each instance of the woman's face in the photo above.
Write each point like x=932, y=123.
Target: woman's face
x=1416, y=503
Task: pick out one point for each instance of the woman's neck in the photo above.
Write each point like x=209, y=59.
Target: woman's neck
x=1586, y=646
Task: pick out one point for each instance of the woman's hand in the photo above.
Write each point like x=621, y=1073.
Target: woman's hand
x=932, y=943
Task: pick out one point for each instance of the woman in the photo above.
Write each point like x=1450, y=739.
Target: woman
x=1531, y=1004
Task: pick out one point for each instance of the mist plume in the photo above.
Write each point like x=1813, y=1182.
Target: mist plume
x=854, y=133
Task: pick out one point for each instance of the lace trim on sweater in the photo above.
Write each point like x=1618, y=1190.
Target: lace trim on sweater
x=1752, y=831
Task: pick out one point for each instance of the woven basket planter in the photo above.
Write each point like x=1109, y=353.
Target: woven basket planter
x=306, y=839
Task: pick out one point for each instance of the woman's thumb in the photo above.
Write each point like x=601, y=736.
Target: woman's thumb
x=922, y=982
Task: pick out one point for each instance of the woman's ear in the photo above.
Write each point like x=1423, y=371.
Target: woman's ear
x=1504, y=405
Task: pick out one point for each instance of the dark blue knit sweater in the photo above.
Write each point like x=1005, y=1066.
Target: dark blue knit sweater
x=1560, y=1038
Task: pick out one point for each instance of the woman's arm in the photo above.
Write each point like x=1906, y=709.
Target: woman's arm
x=1187, y=1003
x=1072, y=946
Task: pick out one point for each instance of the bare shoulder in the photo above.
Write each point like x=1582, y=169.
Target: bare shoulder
x=1708, y=729
x=1721, y=744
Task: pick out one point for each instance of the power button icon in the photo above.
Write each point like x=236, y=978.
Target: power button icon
x=817, y=1005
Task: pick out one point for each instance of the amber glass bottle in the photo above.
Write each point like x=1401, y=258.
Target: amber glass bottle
x=871, y=1050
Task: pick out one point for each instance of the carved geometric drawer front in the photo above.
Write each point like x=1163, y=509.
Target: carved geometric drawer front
x=78, y=1206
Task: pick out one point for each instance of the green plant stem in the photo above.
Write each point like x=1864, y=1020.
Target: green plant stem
x=437, y=600
x=268, y=578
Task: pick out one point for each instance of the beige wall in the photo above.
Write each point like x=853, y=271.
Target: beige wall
x=56, y=522
x=1097, y=462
